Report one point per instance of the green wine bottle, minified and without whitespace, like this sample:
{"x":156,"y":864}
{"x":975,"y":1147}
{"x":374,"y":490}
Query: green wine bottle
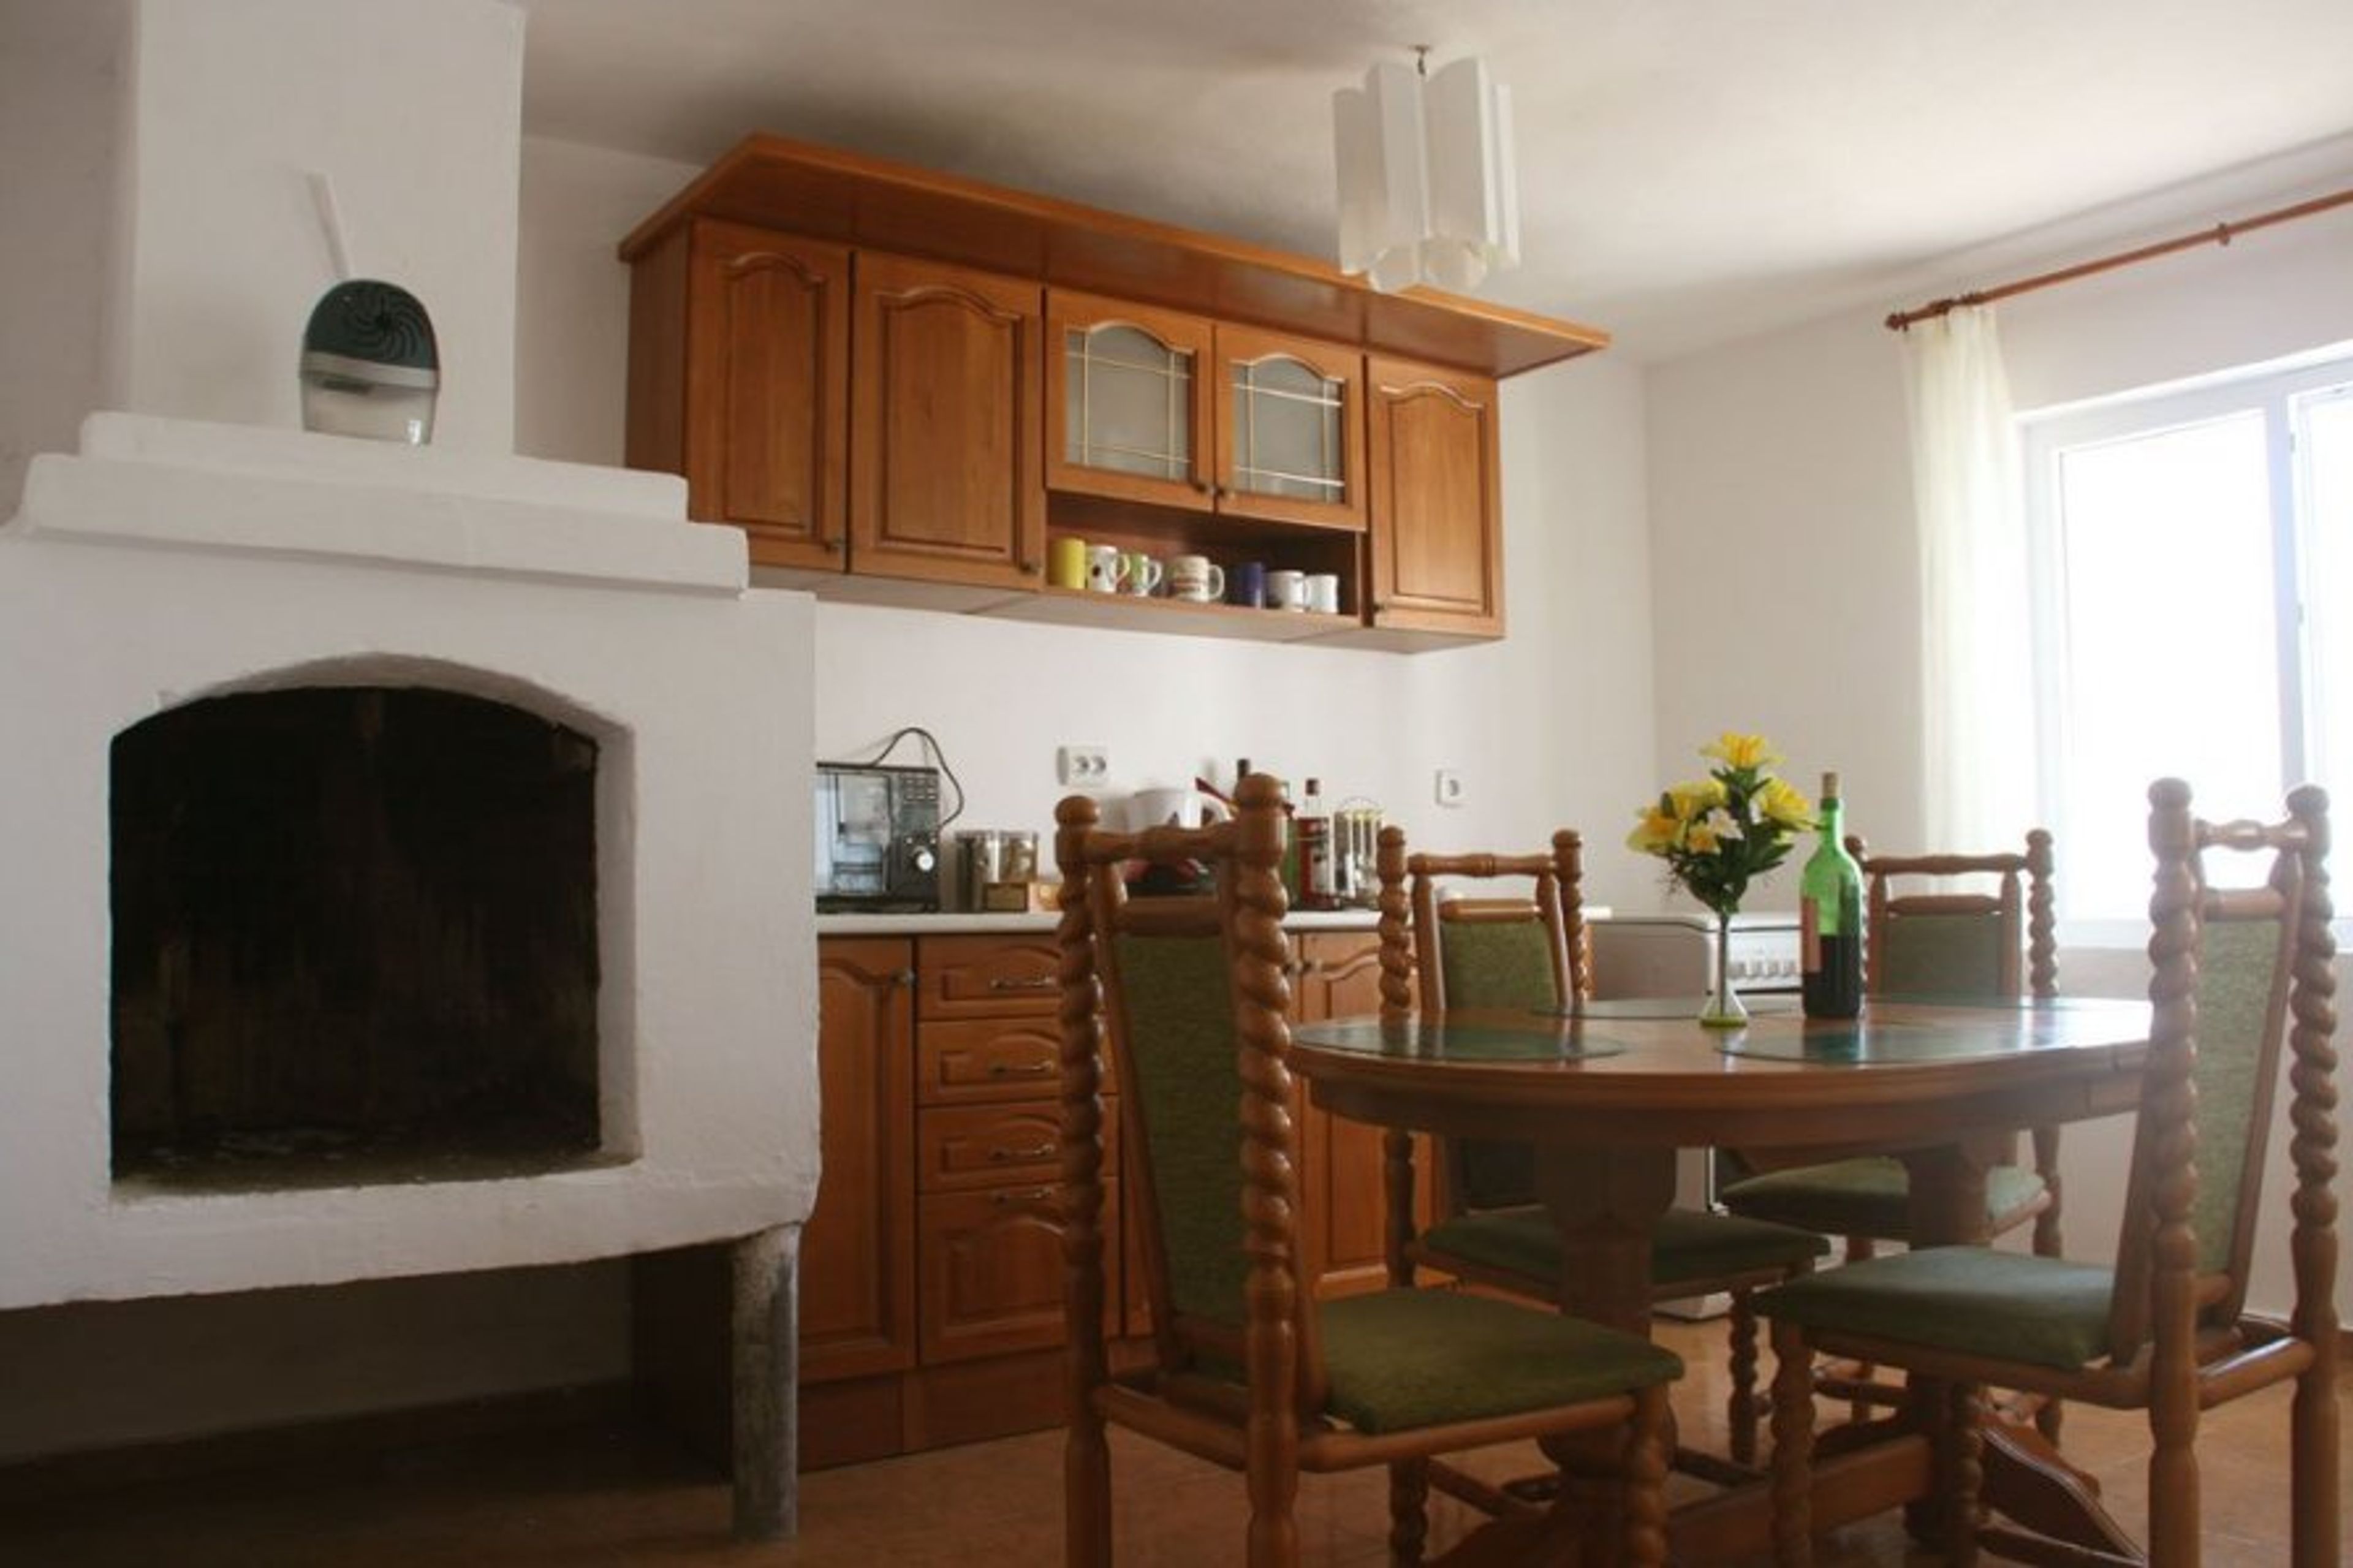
{"x":1829,"y":910}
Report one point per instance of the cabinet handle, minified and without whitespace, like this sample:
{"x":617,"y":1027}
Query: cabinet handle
{"x":1034,"y":1196}
{"x":1020,"y":1070}
{"x":1040,"y":983}
{"x":1032,"y":568}
{"x":905,"y":977}
{"x":1004,"y":1156}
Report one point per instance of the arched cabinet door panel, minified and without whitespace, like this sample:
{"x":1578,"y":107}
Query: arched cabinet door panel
{"x":1437,"y":534}
{"x":947,"y":481}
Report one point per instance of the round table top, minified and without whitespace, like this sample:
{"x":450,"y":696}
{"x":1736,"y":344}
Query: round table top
{"x":1645,"y":1070}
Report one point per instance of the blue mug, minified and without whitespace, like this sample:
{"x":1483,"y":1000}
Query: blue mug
{"x":1246,"y":583}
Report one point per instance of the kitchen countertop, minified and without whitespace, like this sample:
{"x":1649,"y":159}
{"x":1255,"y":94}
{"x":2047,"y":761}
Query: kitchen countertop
{"x":957,"y":923}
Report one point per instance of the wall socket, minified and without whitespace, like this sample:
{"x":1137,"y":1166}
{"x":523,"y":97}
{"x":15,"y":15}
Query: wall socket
{"x":1450,"y":788}
{"x":1082,"y":767}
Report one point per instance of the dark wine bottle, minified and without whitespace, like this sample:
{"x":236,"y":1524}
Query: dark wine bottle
{"x":1829,"y":911}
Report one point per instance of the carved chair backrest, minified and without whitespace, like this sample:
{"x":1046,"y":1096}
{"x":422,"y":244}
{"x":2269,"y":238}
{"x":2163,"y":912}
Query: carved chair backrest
{"x":1495,"y":952}
{"x":1192,"y":995}
{"x":1969,"y":944}
{"x":2230,"y":968}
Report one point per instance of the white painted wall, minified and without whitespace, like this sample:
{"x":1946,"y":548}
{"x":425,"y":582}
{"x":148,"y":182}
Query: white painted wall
{"x":60,"y":90}
{"x":413,"y":110}
{"x":1779,"y":462}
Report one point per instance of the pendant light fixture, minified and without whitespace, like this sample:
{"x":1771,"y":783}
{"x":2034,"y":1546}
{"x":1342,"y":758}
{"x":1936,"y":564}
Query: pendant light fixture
{"x":1427,"y":188}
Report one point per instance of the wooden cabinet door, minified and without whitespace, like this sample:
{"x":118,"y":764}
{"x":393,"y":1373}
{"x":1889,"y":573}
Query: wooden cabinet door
{"x":858,"y":1250}
{"x":946,"y":408}
{"x":993,"y":1275}
{"x":1127,"y":401}
{"x":1343,"y":1207}
{"x":1437,"y":523}
{"x":767,"y":437}
{"x":1291,"y":429}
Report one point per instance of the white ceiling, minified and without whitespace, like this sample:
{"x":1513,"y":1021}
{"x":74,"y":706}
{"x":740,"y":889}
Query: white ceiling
{"x":1690,"y":170}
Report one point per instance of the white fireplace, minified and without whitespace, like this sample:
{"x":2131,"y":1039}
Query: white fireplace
{"x":173,"y":571}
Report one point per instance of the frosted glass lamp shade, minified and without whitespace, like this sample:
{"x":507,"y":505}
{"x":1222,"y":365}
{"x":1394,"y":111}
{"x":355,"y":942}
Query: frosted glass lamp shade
{"x":1427,"y":191}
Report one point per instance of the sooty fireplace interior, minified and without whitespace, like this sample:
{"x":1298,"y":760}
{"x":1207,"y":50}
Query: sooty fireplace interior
{"x":354,"y":939}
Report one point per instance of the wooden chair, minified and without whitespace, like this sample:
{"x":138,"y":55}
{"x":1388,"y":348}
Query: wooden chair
{"x":2165,"y":1328}
{"x":1997,"y":944}
{"x":1248,"y":1369}
{"x":1530,"y":952}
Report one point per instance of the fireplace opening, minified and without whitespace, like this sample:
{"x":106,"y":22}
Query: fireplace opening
{"x":354,"y":940}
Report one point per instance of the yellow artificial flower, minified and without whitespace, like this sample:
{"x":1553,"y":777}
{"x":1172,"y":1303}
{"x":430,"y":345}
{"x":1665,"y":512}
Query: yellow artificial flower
{"x":1700,"y":838}
{"x":1736,"y":751}
{"x":1658,"y":832}
{"x":1783,"y":805}
{"x":1693,"y":801}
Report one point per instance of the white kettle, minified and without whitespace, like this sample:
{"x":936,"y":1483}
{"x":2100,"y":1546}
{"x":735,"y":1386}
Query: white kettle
{"x":1172,"y":808}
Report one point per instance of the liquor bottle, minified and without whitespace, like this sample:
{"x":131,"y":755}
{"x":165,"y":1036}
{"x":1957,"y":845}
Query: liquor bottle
{"x":1830,"y":906}
{"x":1311,"y":826}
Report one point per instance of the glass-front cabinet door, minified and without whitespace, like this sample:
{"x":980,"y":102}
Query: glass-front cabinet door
{"x":1291,"y":434}
{"x":1129,"y":388}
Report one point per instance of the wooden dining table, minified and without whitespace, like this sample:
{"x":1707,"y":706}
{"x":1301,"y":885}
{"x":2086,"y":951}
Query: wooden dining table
{"x":1607,"y":1093}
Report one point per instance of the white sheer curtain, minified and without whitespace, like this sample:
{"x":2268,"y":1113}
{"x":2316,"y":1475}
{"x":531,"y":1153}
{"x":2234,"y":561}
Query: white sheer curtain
{"x":1978,"y":697}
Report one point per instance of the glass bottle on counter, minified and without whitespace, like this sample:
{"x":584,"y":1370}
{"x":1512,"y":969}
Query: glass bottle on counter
{"x":1829,"y":911}
{"x":1311,"y":826}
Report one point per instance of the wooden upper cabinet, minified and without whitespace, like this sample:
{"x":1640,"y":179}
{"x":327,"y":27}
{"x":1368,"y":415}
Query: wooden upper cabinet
{"x":1437,"y":526}
{"x":946,"y":480}
{"x":1127,"y":401}
{"x":739,"y":367}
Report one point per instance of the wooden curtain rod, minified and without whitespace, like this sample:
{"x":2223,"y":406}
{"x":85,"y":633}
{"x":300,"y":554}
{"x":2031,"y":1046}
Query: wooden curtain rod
{"x":2221,"y":233}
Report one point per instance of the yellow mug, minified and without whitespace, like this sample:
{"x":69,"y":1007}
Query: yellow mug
{"x":1066,"y":563}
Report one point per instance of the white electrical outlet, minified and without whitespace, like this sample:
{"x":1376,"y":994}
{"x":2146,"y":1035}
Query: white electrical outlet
{"x":1450,"y":790}
{"x":1082,"y":767}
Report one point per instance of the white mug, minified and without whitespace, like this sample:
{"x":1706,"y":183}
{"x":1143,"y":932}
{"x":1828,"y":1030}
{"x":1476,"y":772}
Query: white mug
{"x":1287,"y":590}
{"x":1103,"y":568}
{"x":1323,"y":593}
{"x":1196,"y":577}
{"x":1139,"y":574}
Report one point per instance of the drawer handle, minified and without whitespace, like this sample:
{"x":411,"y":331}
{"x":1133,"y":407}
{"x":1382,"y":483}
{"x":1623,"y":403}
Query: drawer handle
{"x":1035,"y":1196}
{"x":1038,"y":983}
{"x":1004,"y":1156}
{"x":1020,"y":1070}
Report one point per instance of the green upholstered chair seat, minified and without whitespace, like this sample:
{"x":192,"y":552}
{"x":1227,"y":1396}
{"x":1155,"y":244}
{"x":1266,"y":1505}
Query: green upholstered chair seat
{"x":1863,"y":1196}
{"x":2042,"y":1311}
{"x":1398,"y":1360}
{"x":1687,"y":1245}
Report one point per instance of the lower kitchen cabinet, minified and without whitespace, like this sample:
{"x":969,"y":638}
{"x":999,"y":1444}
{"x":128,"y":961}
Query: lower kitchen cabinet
{"x":1343,"y":1212}
{"x":932,"y":1270}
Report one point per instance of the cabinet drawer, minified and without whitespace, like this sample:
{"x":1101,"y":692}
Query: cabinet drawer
{"x":990,"y":1059}
{"x":992,"y":1270}
{"x":987,"y":977}
{"x":967,"y":1146}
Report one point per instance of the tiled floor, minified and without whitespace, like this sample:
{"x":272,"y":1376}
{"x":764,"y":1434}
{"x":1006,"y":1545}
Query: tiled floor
{"x":595,"y":1496}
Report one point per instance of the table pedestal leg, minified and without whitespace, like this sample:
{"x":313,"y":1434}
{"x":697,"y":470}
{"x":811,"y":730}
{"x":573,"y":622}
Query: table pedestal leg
{"x":1607,"y":1203}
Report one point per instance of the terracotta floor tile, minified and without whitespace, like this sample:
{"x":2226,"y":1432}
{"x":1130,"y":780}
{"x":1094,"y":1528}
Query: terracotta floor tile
{"x":589,"y":1498}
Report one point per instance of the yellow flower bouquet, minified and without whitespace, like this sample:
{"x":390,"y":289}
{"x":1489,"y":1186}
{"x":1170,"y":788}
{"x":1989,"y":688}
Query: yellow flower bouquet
{"x":1720,"y":833}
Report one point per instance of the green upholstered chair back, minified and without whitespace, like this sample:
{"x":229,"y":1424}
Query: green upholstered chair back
{"x":1973,"y":941}
{"x":1177,"y":1071}
{"x":2227,"y":965}
{"x":1500,"y":952}
{"x":1188,"y":994}
{"x":1495,"y":964}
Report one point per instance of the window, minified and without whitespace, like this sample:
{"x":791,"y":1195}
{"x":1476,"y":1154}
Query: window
{"x":2225,"y":505}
